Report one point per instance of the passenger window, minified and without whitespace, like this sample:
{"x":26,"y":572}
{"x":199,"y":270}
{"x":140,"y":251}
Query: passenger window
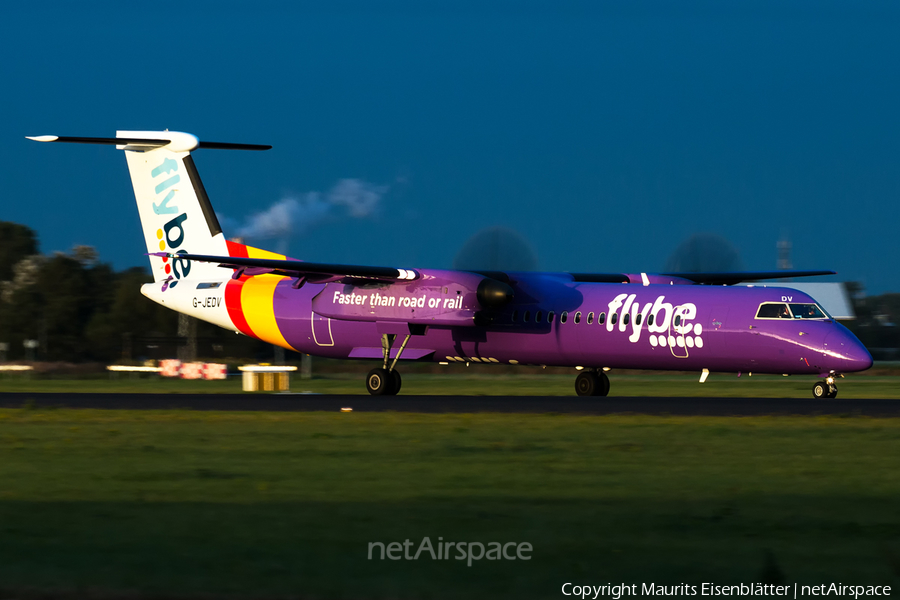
{"x":614,"y":318}
{"x":515,"y":316}
{"x":563,"y":316}
{"x":578,"y":317}
{"x":649,"y":320}
{"x":773,"y":310}
{"x":637,"y":319}
{"x":601,"y":319}
{"x":538,"y":317}
{"x":550,"y":317}
{"x":626,"y":318}
{"x":590,"y":318}
{"x":677,"y":320}
{"x":527,"y":316}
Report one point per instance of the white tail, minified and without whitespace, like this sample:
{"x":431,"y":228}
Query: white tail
{"x":175,"y":211}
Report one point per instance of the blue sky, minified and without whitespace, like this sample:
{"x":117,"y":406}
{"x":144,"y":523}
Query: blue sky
{"x":605,"y":133}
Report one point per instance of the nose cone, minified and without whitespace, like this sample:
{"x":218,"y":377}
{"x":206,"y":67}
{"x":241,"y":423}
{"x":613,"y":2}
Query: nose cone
{"x":860,"y":358}
{"x":851,"y":355}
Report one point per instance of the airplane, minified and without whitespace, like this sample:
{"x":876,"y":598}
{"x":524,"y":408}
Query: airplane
{"x":591,"y":321}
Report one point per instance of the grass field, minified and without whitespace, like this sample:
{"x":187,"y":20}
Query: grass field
{"x":458,"y":380}
{"x":184,"y":503}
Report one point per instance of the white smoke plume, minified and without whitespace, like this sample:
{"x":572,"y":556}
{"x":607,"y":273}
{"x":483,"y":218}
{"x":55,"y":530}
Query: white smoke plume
{"x":294,"y":215}
{"x":358,"y":197}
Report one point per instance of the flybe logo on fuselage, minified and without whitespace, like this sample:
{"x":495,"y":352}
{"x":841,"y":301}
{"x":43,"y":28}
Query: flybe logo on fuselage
{"x":667,"y":324}
{"x":171,"y":235}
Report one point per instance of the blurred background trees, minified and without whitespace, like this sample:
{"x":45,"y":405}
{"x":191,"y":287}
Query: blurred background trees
{"x":79,"y":309}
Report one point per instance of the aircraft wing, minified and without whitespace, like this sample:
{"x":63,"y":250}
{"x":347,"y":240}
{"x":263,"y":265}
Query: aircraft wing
{"x":308,"y":271}
{"x":737,"y":277}
{"x":600,"y":277}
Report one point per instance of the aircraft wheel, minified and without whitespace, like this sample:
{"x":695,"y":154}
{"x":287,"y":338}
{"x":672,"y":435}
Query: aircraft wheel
{"x":820,"y":390}
{"x":588,"y":384}
{"x":604,"y":383}
{"x":379,"y":382}
{"x":396,"y":382}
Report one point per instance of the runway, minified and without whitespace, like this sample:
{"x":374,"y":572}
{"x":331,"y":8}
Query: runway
{"x":462,"y":404}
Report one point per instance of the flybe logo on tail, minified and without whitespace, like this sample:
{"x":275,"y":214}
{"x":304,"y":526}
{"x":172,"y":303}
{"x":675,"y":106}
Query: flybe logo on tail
{"x":168,"y":165}
{"x":171,"y":235}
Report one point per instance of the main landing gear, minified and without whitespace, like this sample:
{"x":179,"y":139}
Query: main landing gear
{"x":386,"y":381}
{"x":825,"y":388}
{"x":592,"y":383}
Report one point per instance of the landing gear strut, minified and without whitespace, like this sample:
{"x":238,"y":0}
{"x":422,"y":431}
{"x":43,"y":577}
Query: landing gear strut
{"x":825,"y":388}
{"x":386,"y":381}
{"x":592,"y":383}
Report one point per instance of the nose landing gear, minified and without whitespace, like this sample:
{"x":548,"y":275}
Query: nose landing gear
{"x":825,"y":388}
{"x":592,"y":383}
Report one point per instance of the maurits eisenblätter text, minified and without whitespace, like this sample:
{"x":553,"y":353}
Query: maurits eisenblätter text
{"x":711,"y":589}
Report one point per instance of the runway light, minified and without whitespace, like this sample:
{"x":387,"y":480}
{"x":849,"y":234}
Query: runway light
{"x":443,"y":363}
{"x":606,"y":368}
{"x":347,"y":409}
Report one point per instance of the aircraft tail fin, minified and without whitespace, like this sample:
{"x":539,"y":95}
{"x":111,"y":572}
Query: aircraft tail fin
{"x":176,"y":214}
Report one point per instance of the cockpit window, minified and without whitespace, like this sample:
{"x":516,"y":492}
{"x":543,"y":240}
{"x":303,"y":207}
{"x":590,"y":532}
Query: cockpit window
{"x":807,"y":311}
{"x":780,"y":310}
{"x":773,"y":310}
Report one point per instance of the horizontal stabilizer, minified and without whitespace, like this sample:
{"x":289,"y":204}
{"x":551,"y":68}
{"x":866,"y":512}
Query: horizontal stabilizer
{"x":735,"y":278}
{"x":297,"y":268}
{"x":147,"y":144}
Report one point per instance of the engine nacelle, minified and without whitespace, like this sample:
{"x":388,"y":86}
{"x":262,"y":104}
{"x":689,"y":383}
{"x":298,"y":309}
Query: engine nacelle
{"x":494,"y":294}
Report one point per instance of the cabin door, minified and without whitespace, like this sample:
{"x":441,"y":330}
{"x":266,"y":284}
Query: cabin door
{"x":321,"y":330}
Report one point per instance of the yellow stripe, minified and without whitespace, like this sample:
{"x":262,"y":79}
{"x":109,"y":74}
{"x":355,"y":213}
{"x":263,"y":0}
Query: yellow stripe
{"x":257,"y":298}
{"x":257,"y":295}
{"x":257,"y":253}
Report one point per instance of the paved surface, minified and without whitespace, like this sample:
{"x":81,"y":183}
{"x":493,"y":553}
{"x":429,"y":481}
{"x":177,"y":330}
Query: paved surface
{"x":463,"y":404}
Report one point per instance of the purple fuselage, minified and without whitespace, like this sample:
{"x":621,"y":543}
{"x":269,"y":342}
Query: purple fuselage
{"x":555,"y":321}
